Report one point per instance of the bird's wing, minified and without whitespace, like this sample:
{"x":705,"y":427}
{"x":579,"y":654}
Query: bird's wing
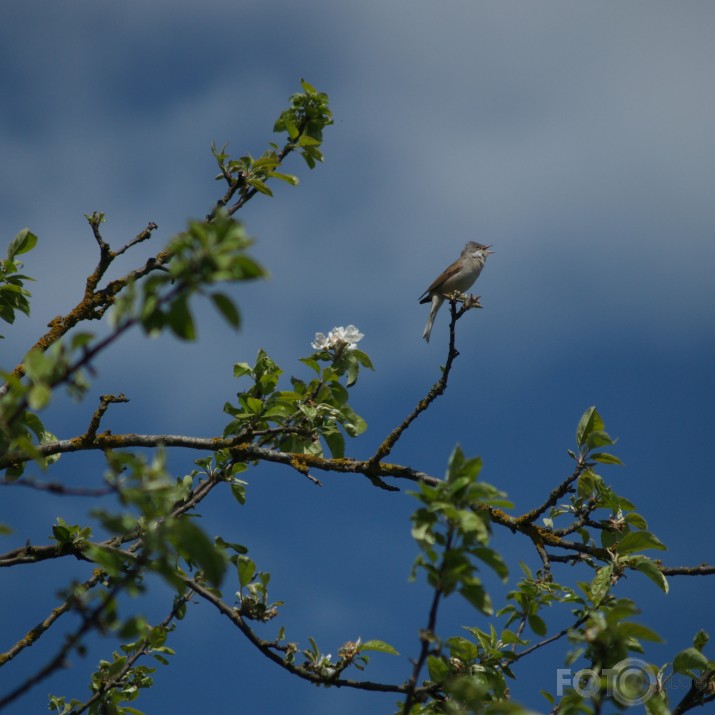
{"x":455,"y":268}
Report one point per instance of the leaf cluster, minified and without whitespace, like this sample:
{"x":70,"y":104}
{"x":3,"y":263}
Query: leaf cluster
{"x":13,"y":294}
{"x":296,"y":420}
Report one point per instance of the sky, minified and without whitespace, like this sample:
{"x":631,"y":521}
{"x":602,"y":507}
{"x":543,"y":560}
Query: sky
{"x":577,"y":138}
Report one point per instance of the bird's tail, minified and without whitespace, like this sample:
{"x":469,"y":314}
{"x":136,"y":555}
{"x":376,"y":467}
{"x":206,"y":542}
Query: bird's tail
{"x":437,"y":301}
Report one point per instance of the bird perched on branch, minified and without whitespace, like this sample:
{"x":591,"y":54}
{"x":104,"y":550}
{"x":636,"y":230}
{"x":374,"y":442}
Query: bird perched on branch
{"x":458,"y":278}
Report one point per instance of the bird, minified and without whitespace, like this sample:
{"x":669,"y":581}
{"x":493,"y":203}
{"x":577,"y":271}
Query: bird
{"x":459,"y":277}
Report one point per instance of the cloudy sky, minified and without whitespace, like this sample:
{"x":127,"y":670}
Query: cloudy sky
{"x":578,"y":138}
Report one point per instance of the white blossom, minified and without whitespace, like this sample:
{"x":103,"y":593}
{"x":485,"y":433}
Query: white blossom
{"x":350,"y":336}
{"x":321,"y":342}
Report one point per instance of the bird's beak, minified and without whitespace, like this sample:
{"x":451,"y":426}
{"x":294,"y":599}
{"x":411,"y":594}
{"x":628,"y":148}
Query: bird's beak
{"x":486,"y":250}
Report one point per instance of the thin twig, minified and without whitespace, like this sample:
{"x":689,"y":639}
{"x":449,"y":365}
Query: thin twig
{"x":437,"y":389}
{"x":142,"y":236}
{"x":104,"y":402}
{"x":555,"y":495}
{"x":88,"y":622}
{"x":141,"y":650}
{"x":60,"y":489}
{"x":427,"y":636}
{"x":546,"y":641}
{"x":33,"y":635}
{"x":268,"y":648}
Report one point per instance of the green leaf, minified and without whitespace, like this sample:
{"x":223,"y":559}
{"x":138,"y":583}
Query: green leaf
{"x":238,"y":489}
{"x":590,"y":421}
{"x":180,"y":319}
{"x":462,"y":648}
{"x":700,"y":640}
{"x":60,"y":533}
{"x":650,"y":569}
{"x":352,"y":423}
{"x":246,"y":570}
{"x":537,"y":624}
{"x":227,"y":308}
{"x":242,"y":368}
{"x":635,"y":520}
{"x":110,"y":561}
{"x":638,"y":541}
{"x":363,"y":359}
{"x":39,"y":396}
{"x":478,"y":597}
{"x":470,"y":523}
{"x":79,"y":340}
{"x":640,"y":632}
{"x":286,"y":124}
{"x":656,"y":705}
{"x":117,"y":665}
{"x":587,"y":483}
{"x":260,"y":186}
{"x":689,"y":661}
{"x":288,"y":178}
{"x":308,"y":141}
{"x":604,"y":458}
{"x":378,"y":646}
{"x":312,"y":363}
{"x":548,"y":696}
{"x":601,"y":583}
{"x":459,"y":466}
{"x":493,"y":559}
{"x":438,"y":670}
{"x":199,"y":549}
{"x":353,"y":368}
{"x":336,"y":443}
{"x":254,"y":405}
{"x":510,"y":638}
{"x":23,"y":242}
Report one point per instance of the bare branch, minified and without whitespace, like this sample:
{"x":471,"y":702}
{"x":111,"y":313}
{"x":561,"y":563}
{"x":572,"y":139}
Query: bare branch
{"x":60,"y":489}
{"x":141,"y":236}
{"x":701,"y":570}
{"x":437,"y":389}
{"x":556,"y":494}
{"x":31,"y":637}
{"x":104,"y":402}
{"x":546,"y":641}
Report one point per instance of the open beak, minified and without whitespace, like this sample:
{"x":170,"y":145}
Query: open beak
{"x":486,"y":250}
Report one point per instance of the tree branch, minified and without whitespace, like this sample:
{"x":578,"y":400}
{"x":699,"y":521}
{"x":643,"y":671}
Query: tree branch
{"x":268,"y":648}
{"x":437,"y":389}
{"x":240,"y":449}
{"x":428,"y":634}
{"x":140,"y":651}
{"x":89,"y":621}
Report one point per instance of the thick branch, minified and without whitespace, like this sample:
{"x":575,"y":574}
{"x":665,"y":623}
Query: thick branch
{"x":240,"y":449}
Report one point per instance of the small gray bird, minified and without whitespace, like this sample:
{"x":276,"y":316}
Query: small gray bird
{"x":458,"y":277}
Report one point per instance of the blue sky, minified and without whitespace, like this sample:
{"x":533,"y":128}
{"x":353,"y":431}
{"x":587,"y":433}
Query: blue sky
{"x":575,"y":137}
